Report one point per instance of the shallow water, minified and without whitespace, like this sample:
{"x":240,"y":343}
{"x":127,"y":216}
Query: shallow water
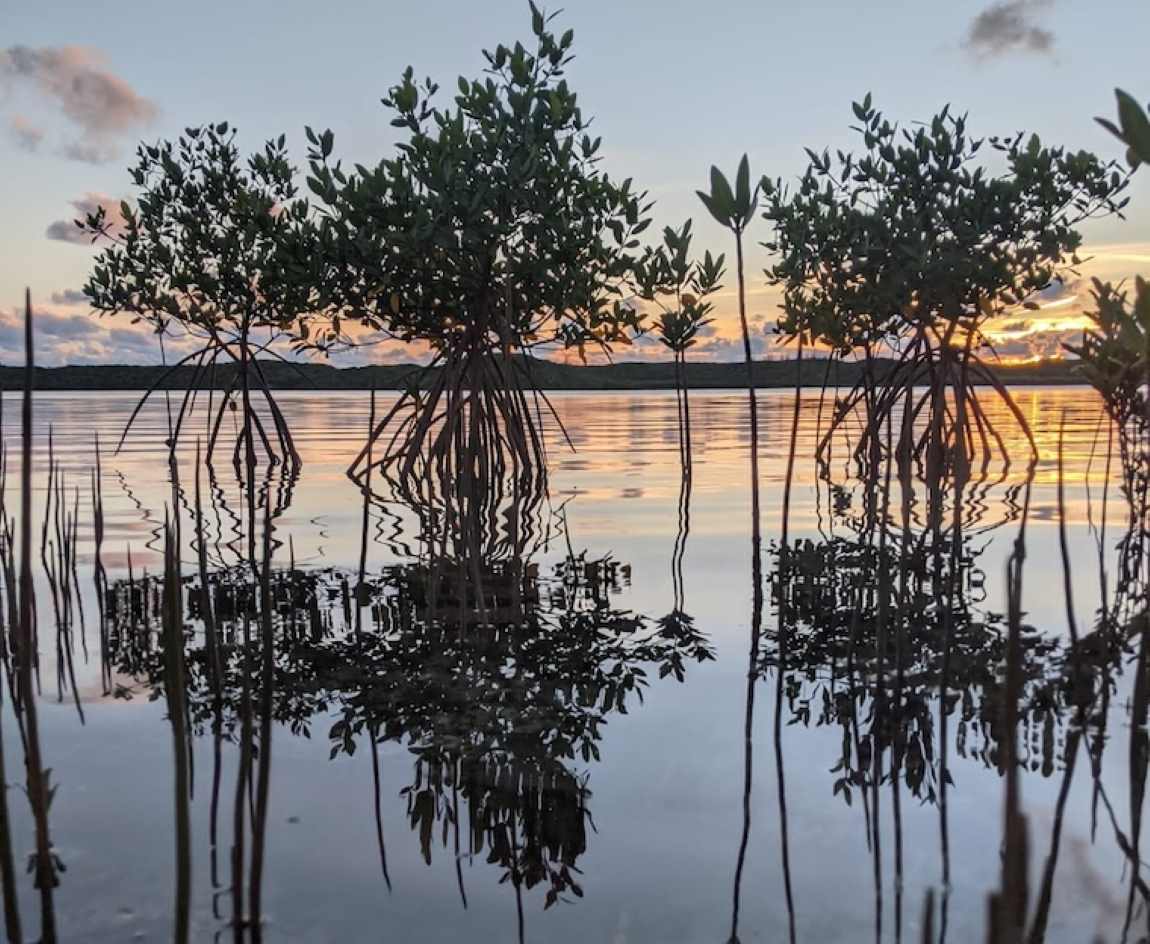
{"x":665,"y":796}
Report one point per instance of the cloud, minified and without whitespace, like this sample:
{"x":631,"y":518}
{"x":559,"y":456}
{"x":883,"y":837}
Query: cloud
{"x":100,"y":105}
{"x":728,"y":349}
{"x":69,"y":296}
{"x":1060,"y":291}
{"x":133,"y":339}
{"x":60,"y":338}
{"x":26,"y":135}
{"x":1040,"y":344}
{"x":88,"y":152}
{"x":1009,"y":26}
{"x":70,"y":338}
{"x":67,"y":326}
{"x":68,"y":232}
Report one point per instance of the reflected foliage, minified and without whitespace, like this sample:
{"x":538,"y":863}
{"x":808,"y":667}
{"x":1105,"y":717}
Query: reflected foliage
{"x":870,"y":624}
{"x":499,"y":689}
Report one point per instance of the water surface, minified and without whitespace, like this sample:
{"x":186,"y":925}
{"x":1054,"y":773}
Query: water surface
{"x":662,"y":803}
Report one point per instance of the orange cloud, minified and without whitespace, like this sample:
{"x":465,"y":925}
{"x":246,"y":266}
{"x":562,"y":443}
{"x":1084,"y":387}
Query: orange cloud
{"x":1023,"y":335}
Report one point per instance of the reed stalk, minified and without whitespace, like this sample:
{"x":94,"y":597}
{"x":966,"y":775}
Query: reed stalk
{"x":12,"y":925}
{"x":38,"y":782}
{"x":756,"y":600}
{"x":176,"y":690}
{"x":784,"y":641}
{"x":267,"y":696}
{"x":1008,"y":905}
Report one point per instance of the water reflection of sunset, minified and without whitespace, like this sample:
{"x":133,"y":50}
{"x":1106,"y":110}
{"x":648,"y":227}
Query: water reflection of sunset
{"x":621,"y":470}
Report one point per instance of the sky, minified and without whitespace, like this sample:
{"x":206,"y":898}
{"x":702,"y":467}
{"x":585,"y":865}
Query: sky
{"x":673,"y":89}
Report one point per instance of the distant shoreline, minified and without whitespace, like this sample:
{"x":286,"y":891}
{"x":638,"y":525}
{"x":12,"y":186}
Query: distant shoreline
{"x":546,"y":375}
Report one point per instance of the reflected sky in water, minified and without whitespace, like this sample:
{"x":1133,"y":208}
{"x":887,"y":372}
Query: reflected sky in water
{"x":665,"y":796}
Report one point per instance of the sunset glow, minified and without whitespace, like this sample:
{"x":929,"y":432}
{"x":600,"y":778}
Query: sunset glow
{"x":70,"y":153}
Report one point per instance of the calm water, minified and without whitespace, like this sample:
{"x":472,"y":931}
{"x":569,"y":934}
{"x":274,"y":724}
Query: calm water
{"x":663,"y":801}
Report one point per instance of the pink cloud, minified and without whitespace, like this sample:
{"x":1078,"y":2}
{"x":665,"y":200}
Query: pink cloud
{"x":100,"y":105}
{"x":70,"y":338}
{"x":67,"y":231}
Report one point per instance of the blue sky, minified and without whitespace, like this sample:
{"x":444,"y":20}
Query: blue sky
{"x":674,"y":88}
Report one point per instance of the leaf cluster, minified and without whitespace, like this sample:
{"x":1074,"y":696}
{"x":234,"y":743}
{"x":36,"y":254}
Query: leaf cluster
{"x":493,"y":225}
{"x":734,"y":207}
{"x":916,"y":234}
{"x":201,"y":249}
{"x":1115,"y":350}
{"x":668,"y":277}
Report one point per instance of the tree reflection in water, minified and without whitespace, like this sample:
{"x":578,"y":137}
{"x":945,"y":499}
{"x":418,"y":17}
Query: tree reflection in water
{"x":500,"y":688}
{"x":835,"y":658}
{"x":498,"y":674}
{"x":890,"y":637}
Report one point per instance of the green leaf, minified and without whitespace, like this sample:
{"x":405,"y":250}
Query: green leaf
{"x":750,"y":212}
{"x":743,"y":186}
{"x":1135,"y":125}
{"x":721,"y":192}
{"x":720,"y":217}
{"x":1110,"y":126}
